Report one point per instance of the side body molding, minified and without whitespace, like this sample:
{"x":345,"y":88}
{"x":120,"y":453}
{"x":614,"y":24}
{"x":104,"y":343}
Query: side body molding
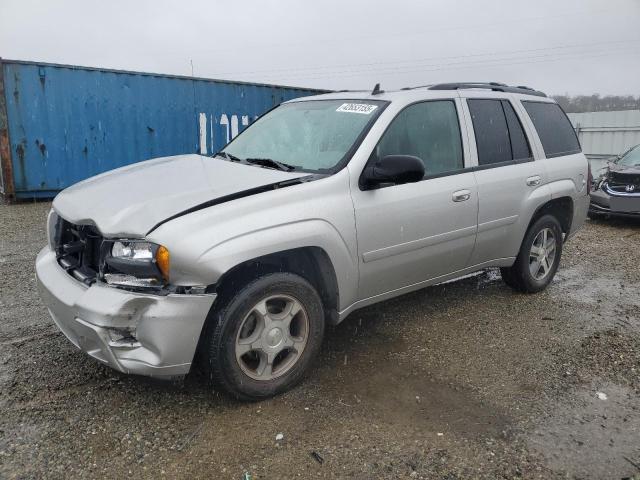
{"x":418,"y":244}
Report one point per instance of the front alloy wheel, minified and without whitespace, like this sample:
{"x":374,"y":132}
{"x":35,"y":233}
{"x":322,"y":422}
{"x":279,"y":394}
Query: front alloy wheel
{"x":272,"y":337}
{"x":261,"y":339}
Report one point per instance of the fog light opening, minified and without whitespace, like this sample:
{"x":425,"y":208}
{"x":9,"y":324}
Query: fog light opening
{"x":123,"y":337}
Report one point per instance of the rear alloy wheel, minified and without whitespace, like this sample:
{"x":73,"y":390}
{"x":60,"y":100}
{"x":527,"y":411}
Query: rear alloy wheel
{"x":261,"y":340}
{"x":542,"y":254}
{"x":539,"y":257}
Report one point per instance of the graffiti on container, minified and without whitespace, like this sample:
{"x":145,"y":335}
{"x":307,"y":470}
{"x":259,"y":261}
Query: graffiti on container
{"x":215,"y":131}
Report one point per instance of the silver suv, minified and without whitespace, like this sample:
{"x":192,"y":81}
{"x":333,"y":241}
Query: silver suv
{"x":322,"y":206}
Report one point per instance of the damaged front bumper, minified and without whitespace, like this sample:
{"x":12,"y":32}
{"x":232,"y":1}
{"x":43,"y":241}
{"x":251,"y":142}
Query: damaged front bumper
{"x":135,"y":333}
{"x":604,"y":202}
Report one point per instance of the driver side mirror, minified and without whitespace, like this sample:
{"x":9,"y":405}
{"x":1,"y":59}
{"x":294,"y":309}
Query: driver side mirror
{"x":393,"y":169}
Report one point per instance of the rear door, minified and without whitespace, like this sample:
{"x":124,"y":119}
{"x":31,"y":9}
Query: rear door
{"x":562,"y":156}
{"x":417,"y":231}
{"x":507,"y":176}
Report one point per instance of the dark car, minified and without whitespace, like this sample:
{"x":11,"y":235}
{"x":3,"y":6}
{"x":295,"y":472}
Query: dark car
{"x":616,"y":190}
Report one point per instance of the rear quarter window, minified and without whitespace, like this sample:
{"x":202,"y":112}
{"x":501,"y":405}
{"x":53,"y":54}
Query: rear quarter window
{"x":554,"y":128}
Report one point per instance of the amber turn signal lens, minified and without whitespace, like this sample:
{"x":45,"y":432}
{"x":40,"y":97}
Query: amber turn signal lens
{"x":162,"y":260}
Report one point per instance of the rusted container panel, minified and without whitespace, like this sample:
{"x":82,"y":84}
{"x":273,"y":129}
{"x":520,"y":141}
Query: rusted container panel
{"x":67,"y":123}
{"x":6,"y":166}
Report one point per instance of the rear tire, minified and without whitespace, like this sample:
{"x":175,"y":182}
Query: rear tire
{"x":538,"y":259}
{"x":261,"y":340}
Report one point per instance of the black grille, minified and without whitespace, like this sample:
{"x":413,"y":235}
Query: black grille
{"x":618,"y":182}
{"x":78,"y":250}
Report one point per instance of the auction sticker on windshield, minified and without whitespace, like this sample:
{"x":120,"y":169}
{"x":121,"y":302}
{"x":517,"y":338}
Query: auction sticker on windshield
{"x":363,"y":108}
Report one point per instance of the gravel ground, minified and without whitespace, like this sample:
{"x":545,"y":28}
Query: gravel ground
{"x":461,"y":380}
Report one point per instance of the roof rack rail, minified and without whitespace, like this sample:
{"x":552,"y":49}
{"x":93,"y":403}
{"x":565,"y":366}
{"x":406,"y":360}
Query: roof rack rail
{"x":495,"y":86}
{"x":416,"y":87}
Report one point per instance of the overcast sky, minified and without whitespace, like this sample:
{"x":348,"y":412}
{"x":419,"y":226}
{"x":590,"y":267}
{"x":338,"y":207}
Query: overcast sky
{"x":559,"y":46}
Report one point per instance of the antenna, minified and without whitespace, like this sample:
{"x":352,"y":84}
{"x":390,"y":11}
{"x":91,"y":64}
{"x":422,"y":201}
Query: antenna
{"x":376,"y":90}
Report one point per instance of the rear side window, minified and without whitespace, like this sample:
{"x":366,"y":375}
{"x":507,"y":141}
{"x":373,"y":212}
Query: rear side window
{"x":519,"y":146}
{"x":428,"y":130}
{"x":554,"y":129}
{"x":499,"y":134}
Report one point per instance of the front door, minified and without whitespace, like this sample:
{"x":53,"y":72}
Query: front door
{"x":418,"y":231}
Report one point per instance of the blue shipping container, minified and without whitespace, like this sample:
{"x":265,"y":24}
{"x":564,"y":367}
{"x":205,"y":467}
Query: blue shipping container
{"x":60,"y":124}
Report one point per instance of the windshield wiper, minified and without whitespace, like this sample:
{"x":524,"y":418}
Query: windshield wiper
{"x":228,"y":156}
{"x":270,"y":163}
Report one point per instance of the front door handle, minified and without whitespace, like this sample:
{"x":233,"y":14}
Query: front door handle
{"x":533,"y":181}
{"x":461,"y":195}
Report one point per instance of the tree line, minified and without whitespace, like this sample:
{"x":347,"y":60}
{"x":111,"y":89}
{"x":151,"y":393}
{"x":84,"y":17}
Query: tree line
{"x":597,"y":103}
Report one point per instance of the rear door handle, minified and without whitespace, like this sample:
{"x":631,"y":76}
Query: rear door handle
{"x":461,"y":195}
{"x":533,"y":181}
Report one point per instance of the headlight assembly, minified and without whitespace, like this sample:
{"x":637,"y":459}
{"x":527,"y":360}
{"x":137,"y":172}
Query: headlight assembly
{"x":132,"y":250}
{"x":137,"y":264}
{"x":598,"y":183}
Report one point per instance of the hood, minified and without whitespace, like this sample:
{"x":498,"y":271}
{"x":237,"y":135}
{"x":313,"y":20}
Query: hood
{"x":623,"y":179}
{"x":132,"y":200}
{"x":623,"y":169}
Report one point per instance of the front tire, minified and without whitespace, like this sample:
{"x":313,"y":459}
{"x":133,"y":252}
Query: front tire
{"x":262,"y":339}
{"x":539,"y":257}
